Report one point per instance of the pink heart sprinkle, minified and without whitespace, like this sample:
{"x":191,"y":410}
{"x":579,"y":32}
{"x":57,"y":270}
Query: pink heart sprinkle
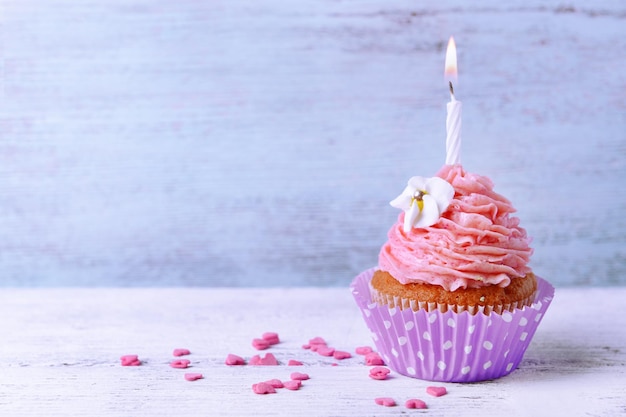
{"x":293,"y":362}
{"x":306,"y":346}
{"x":317,"y":341}
{"x":386,"y":401}
{"x":373,"y":359}
{"x":339,"y":355}
{"x":297,"y":376}
{"x":363,"y":350}
{"x":271,"y":338}
{"x":263,"y":388}
{"x":276,"y":383}
{"x":193,"y":376}
{"x":260,"y":344}
{"x":436,"y":391}
{"x":415,"y":403}
{"x":379,"y":373}
{"x":181,"y":352}
{"x":293,"y":385}
{"x":130,"y":360}
{"x":180,"y":363}
{"x":269,"y":359}
{"x":232,"y":359}
{"x":325,"y":351}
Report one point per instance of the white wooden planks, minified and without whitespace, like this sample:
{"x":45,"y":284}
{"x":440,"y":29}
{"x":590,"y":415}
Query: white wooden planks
{"x":60,"y":356}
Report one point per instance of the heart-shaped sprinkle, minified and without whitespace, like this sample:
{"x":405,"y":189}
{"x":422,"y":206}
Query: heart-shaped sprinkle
{"x":181,"y":352}
{"x":130,"y":360}
{"x":180,"y":363}
{"x":436,"y":391}
{"x":339,"y":355}
{"x":276,"y":383}
{"x":385,"y":401}
{"x":271,"y":338}
{"x":326,"y":351}
{"x":298,"y":376}
{"x":193,"y":376}
{"x":373,"y":359}
{"x":269,"y":359}
{"x":293,"y":384}
{"x":415,"y":403}
{"x":260,"y":344}
{"x":363,"y":350}
{"x":263,"y":388}
{"x":379,"y":373}
{"x":233,"y":359}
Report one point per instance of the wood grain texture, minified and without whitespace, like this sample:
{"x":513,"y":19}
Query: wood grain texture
{"x":60,"y":352}
{"x":155,"y":142}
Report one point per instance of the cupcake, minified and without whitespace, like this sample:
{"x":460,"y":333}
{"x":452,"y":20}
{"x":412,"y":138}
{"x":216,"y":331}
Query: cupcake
{"x":453,"y":298}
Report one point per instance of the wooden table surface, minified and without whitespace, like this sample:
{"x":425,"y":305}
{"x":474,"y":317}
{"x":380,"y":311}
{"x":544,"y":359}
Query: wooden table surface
{"x":60,"y":350}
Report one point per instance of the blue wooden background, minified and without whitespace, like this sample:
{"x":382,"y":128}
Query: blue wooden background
{"x":257,"y":143}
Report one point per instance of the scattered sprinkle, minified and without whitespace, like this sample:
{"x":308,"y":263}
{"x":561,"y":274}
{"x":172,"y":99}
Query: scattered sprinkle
{"x":276,"y":383}
{"x":339,"y":355}
{"x":317,"y":341}
{"x":263,"y":388}
{"x":415,"y":403}
{"x":260,"y":344}
{"x":269,"y":359}
{"x":379,"y":372}
{"x":233,"y":359}
{"x":293,"y":362}
{"x":325,"y":350}
{"x":180,"y":363}
{"x":271,"y":338}
{"x":363,"y":350}
{"x":373,"y":359}
{"x":130,"y":360}
{"x":386,"y":401}
{"x":293,"y":384}
{"x":181,"y":352}
{"x":436,"y":391}
{"x":193,"y":376}
{"x":297,"y":376}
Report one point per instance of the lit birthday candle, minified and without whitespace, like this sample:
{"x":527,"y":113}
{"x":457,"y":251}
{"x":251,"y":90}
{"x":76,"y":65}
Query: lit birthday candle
{"x":453,"y":119}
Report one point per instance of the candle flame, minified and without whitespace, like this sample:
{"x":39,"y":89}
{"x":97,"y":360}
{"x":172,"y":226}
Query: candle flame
{"x":451,"y":72}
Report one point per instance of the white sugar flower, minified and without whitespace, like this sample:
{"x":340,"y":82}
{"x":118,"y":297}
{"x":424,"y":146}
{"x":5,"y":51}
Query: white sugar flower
{"x":423,"y":201}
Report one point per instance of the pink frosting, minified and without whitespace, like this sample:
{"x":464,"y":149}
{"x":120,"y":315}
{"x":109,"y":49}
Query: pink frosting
{"x":475,"y":242}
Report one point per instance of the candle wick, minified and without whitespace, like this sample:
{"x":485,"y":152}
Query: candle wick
{"x":451,"y":88}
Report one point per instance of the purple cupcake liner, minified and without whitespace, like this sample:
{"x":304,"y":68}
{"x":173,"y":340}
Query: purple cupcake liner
{"x":450,"y":347}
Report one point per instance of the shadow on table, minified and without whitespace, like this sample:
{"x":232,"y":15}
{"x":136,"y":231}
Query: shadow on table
{"x":551,"y":357}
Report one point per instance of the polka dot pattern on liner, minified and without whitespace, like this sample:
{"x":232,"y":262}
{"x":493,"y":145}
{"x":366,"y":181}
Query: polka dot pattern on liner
{"x":450,"y":347}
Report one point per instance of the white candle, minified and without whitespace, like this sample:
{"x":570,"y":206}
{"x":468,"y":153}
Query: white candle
{"x":454,"y":107}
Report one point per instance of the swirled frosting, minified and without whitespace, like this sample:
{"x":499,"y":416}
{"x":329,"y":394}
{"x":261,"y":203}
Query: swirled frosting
{"x":475,"y":243}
